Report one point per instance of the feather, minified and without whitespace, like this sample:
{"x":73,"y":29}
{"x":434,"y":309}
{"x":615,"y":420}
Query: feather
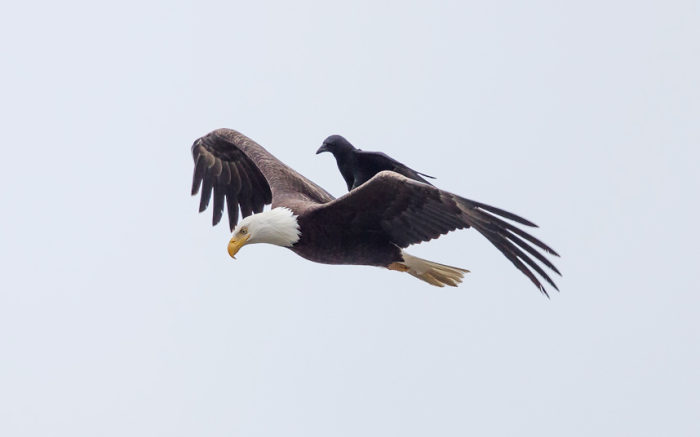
{"x":207,"y":184}
{"x":199,"y":168}
{"x":232,"y":206}
{"x":219,"y":194}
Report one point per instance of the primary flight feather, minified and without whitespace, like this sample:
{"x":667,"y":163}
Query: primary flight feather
{"x":371,"y":225}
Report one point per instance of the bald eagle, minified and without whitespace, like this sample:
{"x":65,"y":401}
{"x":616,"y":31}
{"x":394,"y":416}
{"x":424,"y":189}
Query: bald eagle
{"x":371,"y":225}
{"x":358,"y":166}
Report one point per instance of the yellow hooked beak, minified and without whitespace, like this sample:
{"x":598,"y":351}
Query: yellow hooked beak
{"x":236,"y":243}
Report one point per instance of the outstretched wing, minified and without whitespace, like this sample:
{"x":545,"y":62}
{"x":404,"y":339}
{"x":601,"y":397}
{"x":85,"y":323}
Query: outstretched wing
{"x":230,"y":165}
{"x":410,"y":212}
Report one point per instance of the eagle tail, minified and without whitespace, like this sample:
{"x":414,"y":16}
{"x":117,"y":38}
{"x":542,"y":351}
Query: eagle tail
{"x":435,"y":274}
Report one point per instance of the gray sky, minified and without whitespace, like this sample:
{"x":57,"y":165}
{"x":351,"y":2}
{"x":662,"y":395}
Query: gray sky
{"x":122,"y":314}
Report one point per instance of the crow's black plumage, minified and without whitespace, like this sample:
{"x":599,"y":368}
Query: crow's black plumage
{"x":358,"y":166}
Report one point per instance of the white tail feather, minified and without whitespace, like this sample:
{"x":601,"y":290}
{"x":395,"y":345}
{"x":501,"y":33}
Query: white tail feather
{"x":435,"y":274}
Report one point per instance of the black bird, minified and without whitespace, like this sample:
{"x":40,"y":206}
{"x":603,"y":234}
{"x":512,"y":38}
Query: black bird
{"x":358,"y":166}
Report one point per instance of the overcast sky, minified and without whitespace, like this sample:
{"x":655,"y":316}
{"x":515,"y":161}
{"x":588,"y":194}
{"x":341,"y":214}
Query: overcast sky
{"x":121,"y":314}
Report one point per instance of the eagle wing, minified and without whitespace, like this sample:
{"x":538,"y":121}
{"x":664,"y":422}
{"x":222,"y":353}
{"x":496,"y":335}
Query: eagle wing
{"x":230,"y":165}
{"x":411,"y":212}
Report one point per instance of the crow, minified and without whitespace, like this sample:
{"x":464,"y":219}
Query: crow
{"x":358,"y":166}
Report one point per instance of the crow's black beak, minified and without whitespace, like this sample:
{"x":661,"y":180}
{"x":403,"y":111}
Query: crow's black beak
{"x":322,"y":149}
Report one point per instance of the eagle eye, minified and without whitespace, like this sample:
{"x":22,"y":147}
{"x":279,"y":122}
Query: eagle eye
{"x":244,"y":231}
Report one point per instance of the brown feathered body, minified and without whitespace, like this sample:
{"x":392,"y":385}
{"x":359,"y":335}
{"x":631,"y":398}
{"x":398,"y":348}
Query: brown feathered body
{"x":368,"y":226}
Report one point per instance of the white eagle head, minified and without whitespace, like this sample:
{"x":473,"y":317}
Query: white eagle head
{"x":277,"y":226}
